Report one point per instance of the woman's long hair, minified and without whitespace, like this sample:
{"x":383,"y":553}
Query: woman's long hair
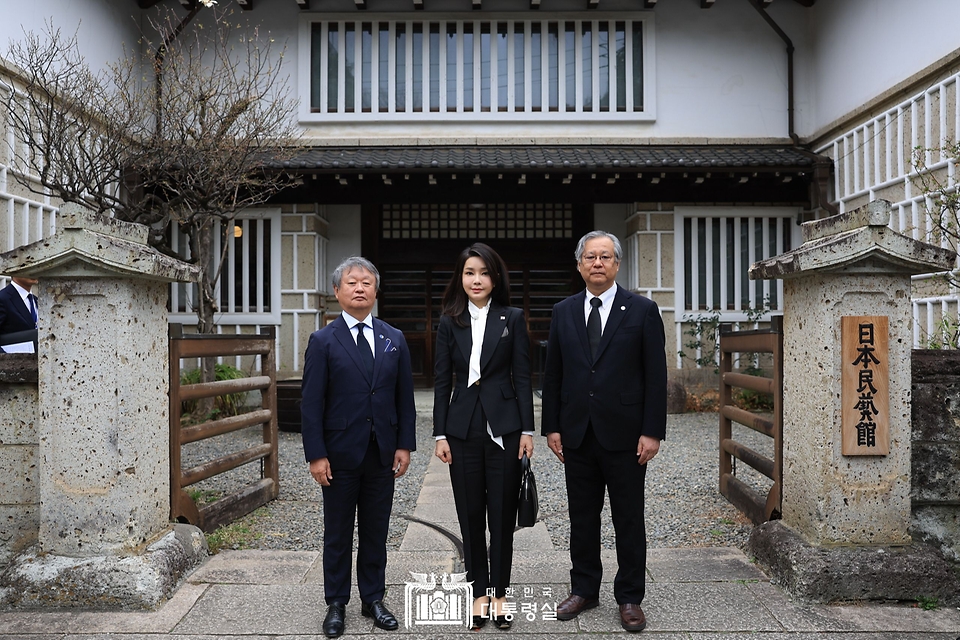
{"x":455,"y":298}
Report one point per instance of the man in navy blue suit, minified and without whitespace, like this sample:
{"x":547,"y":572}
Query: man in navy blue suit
{"x":358,"y":427}
{"x":18,"y":307}
{"x":604,"y":415}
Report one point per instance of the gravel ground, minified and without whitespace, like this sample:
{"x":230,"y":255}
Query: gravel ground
{"x":683,"y":505}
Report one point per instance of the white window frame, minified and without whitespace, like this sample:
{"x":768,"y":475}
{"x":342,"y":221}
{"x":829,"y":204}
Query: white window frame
{"x":271,"y":317}
{"x":309,"y":117}
{"x":789,"y":226}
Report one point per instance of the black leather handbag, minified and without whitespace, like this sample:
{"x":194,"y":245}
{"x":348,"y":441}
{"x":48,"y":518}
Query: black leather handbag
{"x":529,"y":506}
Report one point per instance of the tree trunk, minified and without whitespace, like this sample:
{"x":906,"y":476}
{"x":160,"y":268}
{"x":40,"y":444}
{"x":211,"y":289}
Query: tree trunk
{"x":206,"y":305}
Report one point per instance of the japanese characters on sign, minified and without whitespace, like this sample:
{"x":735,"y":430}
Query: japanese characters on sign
{"x":865,"y":414}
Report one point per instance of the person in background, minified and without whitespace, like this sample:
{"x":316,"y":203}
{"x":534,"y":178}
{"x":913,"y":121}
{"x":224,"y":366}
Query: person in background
{"x":358,"y":428}
{"x":604,"y":415}
{"x":18,"y":311}
{"x":484,"y":423}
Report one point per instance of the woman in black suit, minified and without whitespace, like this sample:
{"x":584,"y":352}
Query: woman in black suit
{"x":485,"y":427}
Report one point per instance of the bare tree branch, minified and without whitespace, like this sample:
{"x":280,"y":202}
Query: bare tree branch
{"x":184,"y":146}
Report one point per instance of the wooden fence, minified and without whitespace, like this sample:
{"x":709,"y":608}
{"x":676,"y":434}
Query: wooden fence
{"x":246,"y":498}
{"x":757,"y":507}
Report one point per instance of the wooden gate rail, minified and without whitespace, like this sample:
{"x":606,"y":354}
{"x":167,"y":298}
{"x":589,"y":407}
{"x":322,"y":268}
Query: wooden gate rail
{"x":757,"y":507}
{"x":251,"y":496}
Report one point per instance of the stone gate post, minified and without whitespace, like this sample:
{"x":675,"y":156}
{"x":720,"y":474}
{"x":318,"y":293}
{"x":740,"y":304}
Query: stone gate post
{"x":102,"y":421}
{"x":848,"y":334}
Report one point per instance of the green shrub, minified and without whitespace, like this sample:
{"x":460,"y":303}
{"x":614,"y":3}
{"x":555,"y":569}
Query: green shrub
{"x":753,"y":401}
{"x":228,"y":405}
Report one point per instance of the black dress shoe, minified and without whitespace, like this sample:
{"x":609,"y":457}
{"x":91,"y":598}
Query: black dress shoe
{"x":333,"y":621}
{"x":382,"y":618}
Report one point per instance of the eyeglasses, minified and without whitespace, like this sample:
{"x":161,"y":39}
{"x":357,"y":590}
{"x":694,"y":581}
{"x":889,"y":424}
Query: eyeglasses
{"x":591,"y":258}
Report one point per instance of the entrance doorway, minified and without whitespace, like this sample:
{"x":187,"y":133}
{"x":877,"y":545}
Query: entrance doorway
{"x":415,"y":248}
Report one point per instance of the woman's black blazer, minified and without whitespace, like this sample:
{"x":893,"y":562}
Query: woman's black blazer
{"x":504,"y":390}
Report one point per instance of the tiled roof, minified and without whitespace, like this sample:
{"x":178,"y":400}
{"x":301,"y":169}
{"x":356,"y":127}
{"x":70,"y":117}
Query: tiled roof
{"x":579,"y":158}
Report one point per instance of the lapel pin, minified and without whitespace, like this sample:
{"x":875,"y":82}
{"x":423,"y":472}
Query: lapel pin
{"x":381,"y":336}
{"x":623,"y":308}
{"x":503,"y":317}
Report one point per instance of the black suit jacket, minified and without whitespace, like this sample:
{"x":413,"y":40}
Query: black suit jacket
{"x":623,"y":393}
{"x":14,"y":315}
{"x":341,"y":405}
{"x":504,"y":391}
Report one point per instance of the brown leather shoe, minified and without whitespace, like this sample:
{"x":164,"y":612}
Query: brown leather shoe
{"x":574,"y":605}
{"x":632,"y":618}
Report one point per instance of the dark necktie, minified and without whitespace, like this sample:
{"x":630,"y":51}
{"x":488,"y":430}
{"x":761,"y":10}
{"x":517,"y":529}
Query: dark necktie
{"x":593,"y":326}
{"x":366,"y":355}
{"x":33,"y":307}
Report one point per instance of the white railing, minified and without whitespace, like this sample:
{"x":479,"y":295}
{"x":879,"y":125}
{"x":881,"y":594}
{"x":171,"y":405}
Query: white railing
{"x":554,"y":67}
{"x":875,"y":159}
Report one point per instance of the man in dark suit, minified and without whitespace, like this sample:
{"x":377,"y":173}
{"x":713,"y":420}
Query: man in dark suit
{"x":358,"y":430}
{"x":18,"y":308}
{"x":604,"y":415}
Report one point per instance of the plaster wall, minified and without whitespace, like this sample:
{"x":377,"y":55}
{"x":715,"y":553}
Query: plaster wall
{"x":721,"y":74}
{"x":861,"y":48}
{"x":106,"y":29}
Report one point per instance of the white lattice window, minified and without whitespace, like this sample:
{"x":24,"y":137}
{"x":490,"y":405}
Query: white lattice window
{"x":714,"y":250}
{"x":249,"y":287}
{"x":502,"y":67}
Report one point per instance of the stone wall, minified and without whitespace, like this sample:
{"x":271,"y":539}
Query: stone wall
{"x":19,"y":484}
{"x":935,"y":492}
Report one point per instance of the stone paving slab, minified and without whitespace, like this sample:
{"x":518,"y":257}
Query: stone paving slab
{"x":256,"y":567}
{"x":892,"y":635}
{"x":399,"y":566}
{"x":701,"y":564}
{"x":713,"y":606}
{"x":420,"y":537}
{"x":798,"y":617}
{"x":22,"y":623}
{"x":436,"y":492}
{"x":532,"y":538}
{"x":442,"y":513}
{"x":264,"y":609}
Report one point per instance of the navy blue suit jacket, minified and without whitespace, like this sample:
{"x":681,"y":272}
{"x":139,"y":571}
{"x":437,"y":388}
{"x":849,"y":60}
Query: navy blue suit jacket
{"x":341,"y":405}
{"x":623,"y":392}
{"x":504,"y":390}
{"x":14,"y":315}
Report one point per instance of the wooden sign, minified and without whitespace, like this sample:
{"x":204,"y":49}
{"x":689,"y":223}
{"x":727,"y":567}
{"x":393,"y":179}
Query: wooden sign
{"x":865,"y":391}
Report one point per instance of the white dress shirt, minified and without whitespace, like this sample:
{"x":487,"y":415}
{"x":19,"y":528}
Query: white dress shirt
{"x":478,"y":325}
{"x":21,"y":347}
{"x":606,"y":303}
{"x":367,"y":332}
